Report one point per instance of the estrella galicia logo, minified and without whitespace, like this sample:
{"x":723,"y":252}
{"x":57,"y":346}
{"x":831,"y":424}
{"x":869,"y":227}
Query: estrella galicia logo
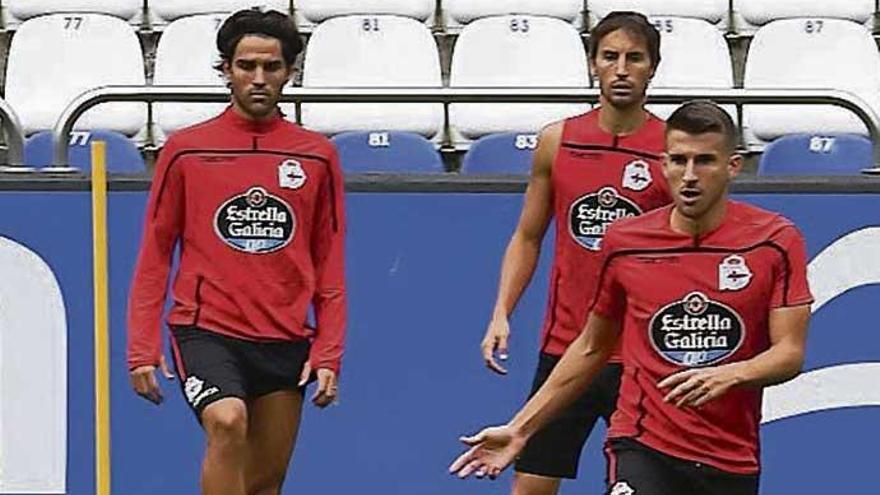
{"x":591,"y":214}
{"x":696,"y":331}
{"x":255,"y":222}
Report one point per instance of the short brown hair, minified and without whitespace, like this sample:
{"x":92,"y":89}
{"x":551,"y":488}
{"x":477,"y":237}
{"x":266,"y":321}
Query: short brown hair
{"x":702,"y":116}
{"x":631,"y":22}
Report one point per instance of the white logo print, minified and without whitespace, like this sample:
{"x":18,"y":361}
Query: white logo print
{"x":192,"y":388}
{"x":637,"y":175}
{"x":622,"y":488}
{"x":733,"y":273}
{"x":291,"y":174}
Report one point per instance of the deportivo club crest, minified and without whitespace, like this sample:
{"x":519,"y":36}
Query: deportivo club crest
{"x":733,"y":273}
{"x":591,"y":214}
{"x":255,"y":222}
{"x":696,"y":331}
{"x":291,"y":174}
{"x":637,"y":175}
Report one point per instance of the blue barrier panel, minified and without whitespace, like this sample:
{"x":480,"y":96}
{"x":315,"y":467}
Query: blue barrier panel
{"x":422,"y":272}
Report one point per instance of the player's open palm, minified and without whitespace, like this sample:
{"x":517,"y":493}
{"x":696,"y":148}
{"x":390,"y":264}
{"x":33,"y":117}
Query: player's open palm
{"x":494,"y":342}
{"x":492,"y":450}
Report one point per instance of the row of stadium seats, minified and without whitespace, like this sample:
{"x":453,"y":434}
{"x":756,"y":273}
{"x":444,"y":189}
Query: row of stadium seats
{"x":756,"y":12}
{"x":53,"y":58}
{"x":508,"y":153}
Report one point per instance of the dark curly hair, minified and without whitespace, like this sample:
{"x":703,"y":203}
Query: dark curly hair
{"x":270,"y":24}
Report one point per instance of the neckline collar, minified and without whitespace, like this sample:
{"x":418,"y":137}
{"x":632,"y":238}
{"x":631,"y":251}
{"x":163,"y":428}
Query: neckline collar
{"x":700,"y":239}
{"x":231,"y":116}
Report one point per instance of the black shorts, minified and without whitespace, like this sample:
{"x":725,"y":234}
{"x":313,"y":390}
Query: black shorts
{"x":634,"y":468}
{"x":555,"y":450}
{"x":212,"y":366}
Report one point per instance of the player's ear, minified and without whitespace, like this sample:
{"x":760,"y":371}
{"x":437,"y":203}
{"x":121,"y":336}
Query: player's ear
{"x":665,"y":158}
{"x":225,"y":72}
{"x":291,"y":73}
{"x":734,"y":165}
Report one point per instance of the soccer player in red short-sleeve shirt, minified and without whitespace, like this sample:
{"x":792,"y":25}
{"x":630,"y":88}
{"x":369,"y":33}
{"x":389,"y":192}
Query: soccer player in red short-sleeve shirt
{"x":588,"y":171}
{"x":710,"y":299}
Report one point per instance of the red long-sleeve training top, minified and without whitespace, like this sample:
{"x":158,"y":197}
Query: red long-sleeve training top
{"x":257,"y":209}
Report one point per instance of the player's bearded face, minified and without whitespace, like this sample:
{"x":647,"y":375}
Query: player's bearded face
{"x":257,"y":74}
{"x":698,"y":168}
{"x":623,"y":67}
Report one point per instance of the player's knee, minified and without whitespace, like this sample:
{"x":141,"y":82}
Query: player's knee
{"x":266,"y":484}
{"x":529,"y":484}
{"x":226,"y":421}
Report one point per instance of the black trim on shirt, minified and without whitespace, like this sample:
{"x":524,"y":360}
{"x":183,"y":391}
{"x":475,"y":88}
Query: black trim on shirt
{"x":198,"y":299}
{"x":698,"y":249}
{"x":554,"y":301}
{"x":640,"y":407}
{"x":614,"y":148}
{"x":331,"y":176}
{"x":208,"y":151}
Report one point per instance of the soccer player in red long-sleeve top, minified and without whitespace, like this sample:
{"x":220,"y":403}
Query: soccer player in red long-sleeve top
{"x":710,"y":299}
{"x":255,"y":204}
{"x":588,"y":171}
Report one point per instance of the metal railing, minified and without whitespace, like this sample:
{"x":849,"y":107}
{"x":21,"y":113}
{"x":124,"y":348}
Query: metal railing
{"x":14,"y":135}
{"x":736,"y":97}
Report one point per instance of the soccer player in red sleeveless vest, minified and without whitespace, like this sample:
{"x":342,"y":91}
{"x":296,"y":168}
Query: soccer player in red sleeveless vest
{"x":711,"y":301}
{"x":256,"y":205}
{"x":588,"y":171}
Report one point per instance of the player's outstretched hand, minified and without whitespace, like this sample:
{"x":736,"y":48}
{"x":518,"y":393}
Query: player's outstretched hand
{"x":697,"y":386}
{"x":144,"y":383}
{"x":496,"y":341}
{"x":491,"y":451}
{"x":327,"y":391}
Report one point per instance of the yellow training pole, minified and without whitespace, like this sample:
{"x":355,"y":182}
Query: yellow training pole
{"x":102,"y":337}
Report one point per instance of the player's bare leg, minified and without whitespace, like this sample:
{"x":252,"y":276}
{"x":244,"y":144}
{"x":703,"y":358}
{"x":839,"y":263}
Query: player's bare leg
{"x":273,"y":425}
{"x":225,"y":423}
{"x":532,"y":484}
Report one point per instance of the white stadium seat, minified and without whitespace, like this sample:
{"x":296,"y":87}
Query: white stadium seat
{"x":516,"y":52}
{"x":33,"y":374}
{"x":186,"y":55}
{"x":464,"y":11}
{"x":25,"y":9}
{"x":710,"y":10}
{"x":811,"y":53}
{"x":693,"y":54}
{"x":169,"y":10}
{"x":54,"y":58}
{"x":316,"y":11}
{"x":758,"y":12}
{"x":365,"y":51}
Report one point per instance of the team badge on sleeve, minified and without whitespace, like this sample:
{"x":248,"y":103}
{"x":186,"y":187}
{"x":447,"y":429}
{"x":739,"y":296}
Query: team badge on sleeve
{"x":733,"y":273}
{"x":291,"y":174}
{"x":637,"y":175}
